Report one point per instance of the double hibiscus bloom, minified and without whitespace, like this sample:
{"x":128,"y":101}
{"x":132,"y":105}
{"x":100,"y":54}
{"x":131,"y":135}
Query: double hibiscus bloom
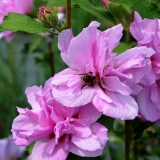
{"x":98,"y":81}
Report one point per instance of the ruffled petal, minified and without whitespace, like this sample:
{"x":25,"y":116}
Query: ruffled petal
{"x":89,"y":109}
{"x":30,"y":93}
{"x":148,"y":108}
{"x":122,"y":107}
{"x":39,"y":153}
{"x":81,"y":47}
{"x":90,"y":143}
{"x":113,"y":84}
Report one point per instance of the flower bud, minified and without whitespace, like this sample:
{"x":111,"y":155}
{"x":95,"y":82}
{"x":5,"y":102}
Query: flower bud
{"x":47,"y":15}
{"x":105,"y":3}
{"x":61,"y":9}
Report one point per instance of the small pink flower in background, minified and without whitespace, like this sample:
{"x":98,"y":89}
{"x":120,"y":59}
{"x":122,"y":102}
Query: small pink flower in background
{"x":61,"y":9}
{"x":17,"y":6}
{"x":57,"y":129}
{"x":97,"y":75}
{"x":147,"y":33}
{"x":9,"y":150}
{"x":105,"y":3}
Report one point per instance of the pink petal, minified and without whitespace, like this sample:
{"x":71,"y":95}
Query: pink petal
{"x":101,"y":133}
{"x":64,"y":39}
{"x":89,"y":108}
{"x":113,"y":84}
{"x":148,"y":108}
{"x":82,"y":131}
{"x":90,"y":143}
{"x":39,"y":153}
{"x":122,"y":107}
{"x":23,"y":7}
{"x":30,"y":93}
{"x":132,"y":58}
{"x":77,"y":51}
{"x":113,"y":35}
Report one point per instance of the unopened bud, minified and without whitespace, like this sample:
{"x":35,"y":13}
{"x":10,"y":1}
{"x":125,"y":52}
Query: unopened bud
{"x":61,"y":9}
{"x":105,"y":3}
{"x":47,"y":15}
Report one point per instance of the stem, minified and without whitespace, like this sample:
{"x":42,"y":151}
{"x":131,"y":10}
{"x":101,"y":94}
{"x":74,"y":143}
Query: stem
{"x":127,"y":140}
{"x":135,"y":154}
{"x":51,"y":58}
{"x":124,"y":23}
{"x":57,"y":28}
{"x":129,"y":36}
{"x":68,"y":13}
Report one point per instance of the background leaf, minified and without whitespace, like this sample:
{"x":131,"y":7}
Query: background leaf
{"x":75,"y":157}
{"x":18,"y":22}
{"x":146,"y":8}
{"x":1,"y":28}
{"x":85,"y":5}
{"x":106,"y":121}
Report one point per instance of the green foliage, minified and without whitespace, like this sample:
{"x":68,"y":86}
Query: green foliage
{"x":146,"y":8}
{"x":75,"y":157}
{"x":17,"y":22}
{"x":85,"y":5}
{"x":30,"y":148}
{"x":107,"y":122}
{"x":1,"y":28}
{"x":123,"y":46}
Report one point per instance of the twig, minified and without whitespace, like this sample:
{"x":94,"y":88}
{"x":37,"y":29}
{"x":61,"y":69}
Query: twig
{"x":127,"y":140}
{"x":51,"y":58}
{"x":68,"y":14}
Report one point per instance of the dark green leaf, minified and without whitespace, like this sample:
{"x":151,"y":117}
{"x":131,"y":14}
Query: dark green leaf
{"x":122,"y":47}
{"x":18,"y":22}
{"x":30,"y":147}
{"x":35,"y":42}
{"x":107,"y":122}
{"x":56,"y":2}
{"x":96,"y":11}
{"x":85,"y":5}
{"x":146,"y":8}
{"x":137,"y":127}
{"x":1,"y":28}
{"x":75,"y":157}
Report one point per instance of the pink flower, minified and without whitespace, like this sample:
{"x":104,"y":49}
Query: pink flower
{"x":147,"y":33}
{"x":57,"y":129}
{"x":105,"y":3}
{"x":61,"y":9}
{"x":17,"y":6}
{"x":9,"y":150}
{"x":97,"y":75}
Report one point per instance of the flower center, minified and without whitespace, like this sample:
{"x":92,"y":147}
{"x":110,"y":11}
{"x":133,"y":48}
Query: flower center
{"x":88,"y":79}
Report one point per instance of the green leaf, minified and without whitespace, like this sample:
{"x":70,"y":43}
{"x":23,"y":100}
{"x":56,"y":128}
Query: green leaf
{"x":122,"y":47}
{"x":85,"y":5}
{"x":75,"y":157}
{"x":56,"y":2}
{"x":18,"y":22}
{"x":30,"y":148}
{"x":1,"y":28}
{"x":106,"y":121}
{"x":98,"y":12}
{"x":35,"y":42}
{"x":146,"y":8}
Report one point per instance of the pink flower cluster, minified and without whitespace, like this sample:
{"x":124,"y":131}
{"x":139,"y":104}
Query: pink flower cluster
{"x":98,"y":81}
{"x":147,"y":33}
{"x":17,"y":6}
{"x":58,"y":129}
